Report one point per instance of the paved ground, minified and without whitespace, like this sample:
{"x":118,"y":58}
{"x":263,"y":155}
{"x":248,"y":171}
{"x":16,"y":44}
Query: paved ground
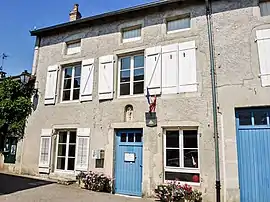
{"x":14,"y":188}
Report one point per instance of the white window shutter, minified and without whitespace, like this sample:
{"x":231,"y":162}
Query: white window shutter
{"x":87,"y":80}
{"x":82,"y":149}
{"x":45,"y":151}
{"x":263,"y":41}
{"x":170,"y":69}
{"x":51,"y":83}
{"x":153,"y":70}
{"x":187,"y":67}
{"x":105,"y":81}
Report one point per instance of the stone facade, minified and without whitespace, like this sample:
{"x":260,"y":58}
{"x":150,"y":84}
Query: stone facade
{"x":237,"y":70}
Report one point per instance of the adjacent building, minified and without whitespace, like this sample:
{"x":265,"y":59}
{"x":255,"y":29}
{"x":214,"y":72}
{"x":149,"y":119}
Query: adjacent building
{"x":93,"y":74}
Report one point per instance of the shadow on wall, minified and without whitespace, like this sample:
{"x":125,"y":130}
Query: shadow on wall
{"x":10,"y":184}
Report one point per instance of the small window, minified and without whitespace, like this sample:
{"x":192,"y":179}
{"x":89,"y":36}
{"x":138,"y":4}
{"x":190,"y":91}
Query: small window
{"x":131,"y":34}
{"x":178,"y":24}
{"x":73,"y":47}
{"x":265,"y":8}
{"x":131,"y":75}
{"x":71,"y":83}
{"x":182,"y":156}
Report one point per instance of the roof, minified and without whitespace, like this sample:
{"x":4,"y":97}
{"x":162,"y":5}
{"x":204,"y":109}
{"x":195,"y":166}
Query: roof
{"x":86,"y":21}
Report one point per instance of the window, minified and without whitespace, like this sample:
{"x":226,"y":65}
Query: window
{"x":73,"y":47}
{"x":65,"y":152}
{"x":131,"y":34}
{"x":182,"y":156}
{"x":71,"y":83}
{"x":253,"y":117}
{"x":131,"y":75}
{"x":178,"y":24}
{"x":265,"y":8}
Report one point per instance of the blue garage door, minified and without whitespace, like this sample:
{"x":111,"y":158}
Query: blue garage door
{"x":253,"y":147}
{"x":128,"y":164}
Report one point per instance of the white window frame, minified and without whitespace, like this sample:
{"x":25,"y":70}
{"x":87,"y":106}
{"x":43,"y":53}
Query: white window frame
{"x":72,"y":83}
{"x":177,"y":18}
{"x":131,"y":75}
{"x":181,"y":169}
{"x":130,"y":29}
{"x":71,"y":43}
{"x":67,"y":151}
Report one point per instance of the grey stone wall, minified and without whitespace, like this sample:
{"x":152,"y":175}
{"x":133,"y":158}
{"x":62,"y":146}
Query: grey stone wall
{"x":237,"y":72}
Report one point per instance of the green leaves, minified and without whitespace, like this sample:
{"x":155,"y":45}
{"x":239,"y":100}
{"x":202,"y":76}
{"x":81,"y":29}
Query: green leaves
{"x":15,"y":106}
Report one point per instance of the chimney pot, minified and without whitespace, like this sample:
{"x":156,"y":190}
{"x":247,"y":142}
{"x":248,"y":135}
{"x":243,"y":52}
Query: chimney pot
{"x":75,"y":14}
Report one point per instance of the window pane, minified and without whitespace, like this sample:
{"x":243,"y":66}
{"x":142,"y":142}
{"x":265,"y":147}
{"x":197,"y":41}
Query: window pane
{"x":66,"y":95}
{"x":138,"y":137}
{"x":130,"y":137}
{"x":244,"y":118}
{"x":76,"y":94}
{"x":260,"y":118}
{"x":123,"y":137}
{"x":127,"y":34}
{"x":191,"y":158}
{"x":77,"y":83}
{"x":138,"y":74}
{"x":172,"y":139}
{"x":178,"y":24}
{"x":125,"y":89}
{"x":172,"y":157}
{"x":68,"y":72}
{"x":190,"y":139}
{"x":185,"y":177}
{"x":138,"y":61}
{"x":265,"y":8}
{"x":72,"y":137}
{"x":125,"y":76}
{"x":125,"y":63}
{"x":62,"y":137}
{"x":61,"y":150}
{"x":71,"y":151}
{"x":78,"y":71}
{"x":61,"y":163}
{"x":71,"y":163}
{"x":138,"y":87}
{"x":67,"y":83}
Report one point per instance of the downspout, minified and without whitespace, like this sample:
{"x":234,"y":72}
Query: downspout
{"x":208,"y":5}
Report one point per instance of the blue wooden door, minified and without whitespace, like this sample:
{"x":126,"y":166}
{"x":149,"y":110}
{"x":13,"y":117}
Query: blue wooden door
{"x":253,"y":147}
{"x":128,"y":164}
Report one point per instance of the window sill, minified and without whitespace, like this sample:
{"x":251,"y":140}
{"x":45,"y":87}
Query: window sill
{"x":131,"y":39}
{"x":79,"y":54}
{"x":130,"y":96}
{"x":179,"y":30}
{"x":69,"y":102}
{"x":193,"y":184}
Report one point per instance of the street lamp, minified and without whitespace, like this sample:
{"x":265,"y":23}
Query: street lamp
{"x":25,"y":77}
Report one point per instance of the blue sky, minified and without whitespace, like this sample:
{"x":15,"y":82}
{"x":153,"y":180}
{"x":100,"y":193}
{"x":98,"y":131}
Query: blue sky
{"x":18,"y":17}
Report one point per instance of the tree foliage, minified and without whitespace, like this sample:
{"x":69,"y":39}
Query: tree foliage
{"x":15,"y":106}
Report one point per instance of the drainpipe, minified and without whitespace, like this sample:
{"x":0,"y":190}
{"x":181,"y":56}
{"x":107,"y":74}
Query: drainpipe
{"x":208,"y":5}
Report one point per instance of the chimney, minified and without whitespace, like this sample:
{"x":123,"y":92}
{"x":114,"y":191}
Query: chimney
{"x":75,"y":14}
